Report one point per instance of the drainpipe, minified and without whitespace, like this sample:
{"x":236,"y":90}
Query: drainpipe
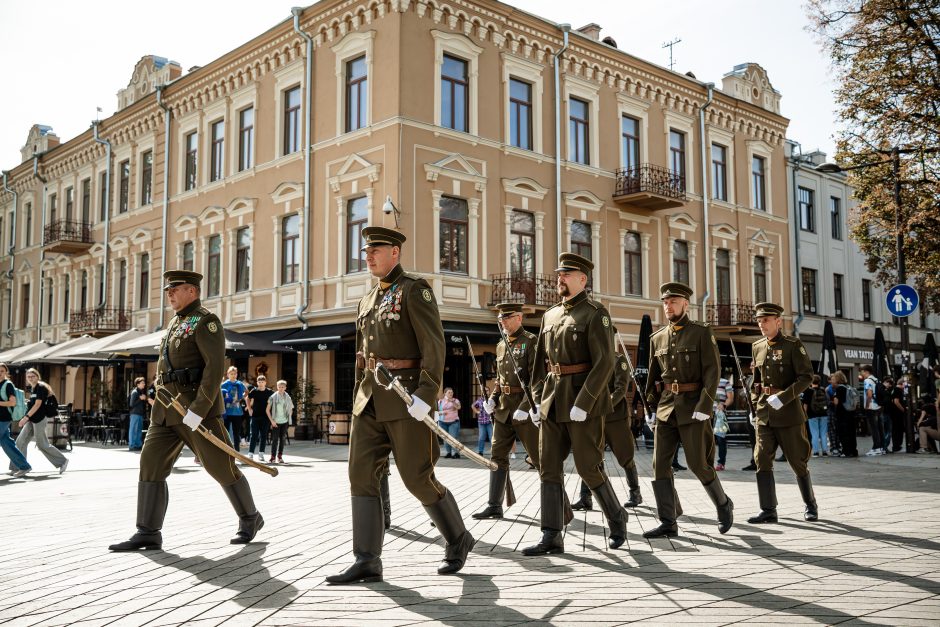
{"x":308,"y":149}
{"x":8,"y":189}
{"x":42,"y":250}
{"x":167,"y":116}
{"x":107,"y":212}
{"x":796,"y":240}
{"x":701,"y":129}
{"x":565,"y":28}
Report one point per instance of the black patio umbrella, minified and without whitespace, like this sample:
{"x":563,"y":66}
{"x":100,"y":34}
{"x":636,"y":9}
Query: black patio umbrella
{"x":880,"y":358}
{"x":931,"y":359}
{"x":643,"y":354}
{"x":828,"y":363}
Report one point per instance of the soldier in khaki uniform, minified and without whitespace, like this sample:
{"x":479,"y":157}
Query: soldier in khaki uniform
{"x":782,"y":371}
{"x":398,"y":324}
{"x":191,"y":365}
{"x":574,"y":360}
{"x":619,"y":437}
{"x":683,"y":380}
{"x":508,"y":404}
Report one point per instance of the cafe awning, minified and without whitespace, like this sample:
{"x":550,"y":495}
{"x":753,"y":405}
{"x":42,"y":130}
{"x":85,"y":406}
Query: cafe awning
{"x":321,"y":338}
{"x":57,"y":354}
{"x":101,"y":348}
{"x":12,"y":355}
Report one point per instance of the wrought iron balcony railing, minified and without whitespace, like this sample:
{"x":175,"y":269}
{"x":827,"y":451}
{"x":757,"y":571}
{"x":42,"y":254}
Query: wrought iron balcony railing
{"x":730,"y":314}
{"x":67,"y":235}
{"x":538,"y":289}
{"x":99,"y":321}
{"x":650,"y":186}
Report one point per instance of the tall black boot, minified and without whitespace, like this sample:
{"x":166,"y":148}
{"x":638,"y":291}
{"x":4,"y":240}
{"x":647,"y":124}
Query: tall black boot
{"x":494,"y":506}
{"x":665,"y":494}
{"x":615,"y":514}
{"x":806,"y":490}
{"x":585,"y":502}
{"x":446,"y":517}
{"x":633,"y":480}
{"x":152,"y":500}
{"x":723,"y":504}
{"x":767,"y":496}
{"x":367,"y":536}
{"x":386,"y":502}
{"x":250,"y":521}
{"x":553,"y":515}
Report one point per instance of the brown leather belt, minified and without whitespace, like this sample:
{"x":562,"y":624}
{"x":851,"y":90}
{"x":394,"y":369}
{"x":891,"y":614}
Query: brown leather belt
{"x":770,"y":390}
{"x":563,"y":369}
{"x":392,"y":364}
{"x":676,"y":387}
{"x":508,"y":389}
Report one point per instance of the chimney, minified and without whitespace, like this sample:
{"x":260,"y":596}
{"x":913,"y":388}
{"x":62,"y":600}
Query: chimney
{"x":591,"y":30}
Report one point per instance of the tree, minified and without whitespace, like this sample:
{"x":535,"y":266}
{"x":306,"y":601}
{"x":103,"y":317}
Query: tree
{"x":886,"y":58}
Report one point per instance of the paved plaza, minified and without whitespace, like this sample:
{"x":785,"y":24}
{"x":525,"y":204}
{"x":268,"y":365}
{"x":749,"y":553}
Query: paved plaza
{"x":872,"y":558}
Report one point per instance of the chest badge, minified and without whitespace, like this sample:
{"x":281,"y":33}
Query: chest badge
{"x":213,"y":327}
{"x":606,"y":321}
{"x":426,"y":294}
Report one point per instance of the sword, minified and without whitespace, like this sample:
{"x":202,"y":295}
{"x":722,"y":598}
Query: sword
{"x":515,"y":366}
{"x":395,"y":385}
{"x":165,"y":398}
{"x":747,"y":392}
{"x":646,"y":408}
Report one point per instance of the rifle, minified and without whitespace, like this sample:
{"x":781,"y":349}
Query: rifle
{"x":747,"y":392}
{"x":518,"y":370}
{"x":646,"y":408}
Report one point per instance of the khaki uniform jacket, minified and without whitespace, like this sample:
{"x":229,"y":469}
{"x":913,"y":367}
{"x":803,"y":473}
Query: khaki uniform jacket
{"x":573,"y":332}
{"x":687,"y":355}
{"x":194,"y":339}
{"x":619,"y":384}
{"x":522,"y":346}
{"x":782,"y":364}
{"x":400,"y":322}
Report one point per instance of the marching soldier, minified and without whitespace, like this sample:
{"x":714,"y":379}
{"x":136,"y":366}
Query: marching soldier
{"x":508,"y":405}
{"x":619,"y":437}
{"x":398,"y":324}
{"x":191,"y":365}
{"x":574,"y":360}
{"x":682,"y":383}
{"x":782,"y":371}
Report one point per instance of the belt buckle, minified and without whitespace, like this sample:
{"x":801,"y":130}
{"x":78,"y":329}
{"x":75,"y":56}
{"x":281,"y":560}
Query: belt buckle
{"x":674,"y":387}
{"x":370,"y":364}
{"x":506,"y":389}
{"x":556,"y":370}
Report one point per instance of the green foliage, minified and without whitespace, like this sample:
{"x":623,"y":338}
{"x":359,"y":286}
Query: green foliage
{"x":303,"y":393}
{"x":105,"y":398}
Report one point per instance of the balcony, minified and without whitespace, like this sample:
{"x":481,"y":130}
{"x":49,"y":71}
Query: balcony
{"x":99,"y":322}
{"x":650,"y":187}
{"x":730,"y":315}
{"x":536,"y":290}
{"x":67,"y":236}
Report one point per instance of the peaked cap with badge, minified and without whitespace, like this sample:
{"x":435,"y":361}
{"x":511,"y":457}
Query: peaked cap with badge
{"x":381,"y":236}
{"x":767,"y":309}
{"x":571,"y":261}
{"x":674,"y":288}
{"x":172,"y":278}
{"x":781,"y":367}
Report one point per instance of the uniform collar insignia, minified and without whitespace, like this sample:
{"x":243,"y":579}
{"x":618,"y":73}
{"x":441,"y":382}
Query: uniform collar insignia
{"x":386,"y":281}
{"x":683,"y":321}
{"x":575,"y":300}
{"x":189,"y":309}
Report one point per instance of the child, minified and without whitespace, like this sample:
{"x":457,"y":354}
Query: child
{"x":280,"y":407}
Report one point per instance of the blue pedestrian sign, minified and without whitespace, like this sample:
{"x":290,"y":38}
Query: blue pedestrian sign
{"x":901,"y":300}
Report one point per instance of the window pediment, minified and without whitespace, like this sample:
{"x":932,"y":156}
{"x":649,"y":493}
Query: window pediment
{"x":455,"y":166}
{"x":683,"y":222}
{"x":140,"y":236}
{"x":241,"y":206}
{"x":584,"y":199}
{"x":524,"y":186}
{"x":353,"y":168}
{"x":185,"y":222}
{"x":724,"y":231}
{"x":287,"y":190}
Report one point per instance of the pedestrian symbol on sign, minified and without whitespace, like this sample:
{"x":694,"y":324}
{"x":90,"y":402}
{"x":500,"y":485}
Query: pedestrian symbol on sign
{"x":901,"y":300}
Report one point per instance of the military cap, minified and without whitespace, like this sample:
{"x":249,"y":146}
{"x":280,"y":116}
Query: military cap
{"x":675,"y":289}
{"x":172,"y":278}
{"x":381,"y":236}
{"x":571,"y":261}
{"x":507,"y":309}
{"x":767,"y":309}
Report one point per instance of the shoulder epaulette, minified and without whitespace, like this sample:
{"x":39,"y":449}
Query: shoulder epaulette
{"x":660,"y":330}
{"x":594,"y":304}
{"x":203,"y":311}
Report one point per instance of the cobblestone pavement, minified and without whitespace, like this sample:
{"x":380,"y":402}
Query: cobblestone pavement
{"x":871,"y":559}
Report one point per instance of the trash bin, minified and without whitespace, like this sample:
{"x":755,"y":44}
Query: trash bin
{"x":58,"y":429}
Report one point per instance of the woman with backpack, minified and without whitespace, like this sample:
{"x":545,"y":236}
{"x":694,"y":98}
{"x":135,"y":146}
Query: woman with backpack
{"x":816,"y":403}
{"x":8,"y":400}
{"x":844,"y":413}
{"x":40,"y":406}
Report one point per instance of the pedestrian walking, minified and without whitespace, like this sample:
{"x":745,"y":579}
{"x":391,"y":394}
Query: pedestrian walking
{"x":260,"y":423}
{"x":894,"y":413}
{"x":398,"y":325}
{"x":684,"y":372}
{"x":484,"y":422}
{"x":872,"y":410}
{"x":18,"y":464}
{"x":137,"y":403}
{"x":573,"y":365}
{"x":816,"y":405}
{"x":279,"y":408}
{"x":191,"y":362}
{"x":782,"y":371}
{"x":233,"y":395}
{"x":40,"y":406}
{"x":449,"y":420}
{"x":724,"y":398}
{"x":844,"y":413}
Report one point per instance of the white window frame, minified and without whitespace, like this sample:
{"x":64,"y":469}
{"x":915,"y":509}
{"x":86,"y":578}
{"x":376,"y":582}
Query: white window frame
{"x":137,"y":177}
{"x":350,"y":47}
{"x":589,"y":92}
{"x":757,"y":148}
{"x":187,"y":126}
{"x":521,"y":69}
{"x":726,"y":140}
{"x":241,"y":101}
{"x":638,"y":110}
{"x":462,"y":47}
{"x":290,"y":76}
{"x":683,"y":124}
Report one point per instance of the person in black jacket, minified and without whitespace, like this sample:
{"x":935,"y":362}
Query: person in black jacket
{"x":137,"y":402}
{"x":34,"y":423}
{"x":18,"y":464}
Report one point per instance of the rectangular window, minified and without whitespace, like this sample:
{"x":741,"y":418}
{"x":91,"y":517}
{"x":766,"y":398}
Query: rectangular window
{"x":213,"y":266}
{"x":146,"y":178}
{"x":217,"y":154}
{"x":86,"y":201}
{"x":520,"y":114}
{"x":65,"y":299}
{"x":837,"y":294}
{"x":578,"y":127}
{"x":758,"y":183}
{"x":103,"y":197}
{"x":357,"y":218}
{"x":124,"y":170}
{"x":455,"y":94}
{"x":290,"y":249}
{"x":242,"y":258}
{"x":680,"y":261}
{"x":357,"y":94}
{"x":866,"y":300}
{"x":522,"y":244}
{"x":633,"y":263}
{"x":291,"y":139}
{"x":192,"y":149}
{"x":26,"y":293}
{"x":719,"y":172}
{"x":807,"y":209}
{"x":630,"y":142}
{"x":29,"y":224}
{"x":69,"y":205}
{"x":581,"y":243}
{"x":835,"y":215}
{"x":53,"y":208}
{"x":101,"y":280}
{"x":677,"y":155}
{"x":760,"y":279}
{"x":809,"y":290}
{"x":122,"y":284}
{"x":49,"y":301}
{"x":454,"y":223}
{"x":144,"y":295}
{"x":246,"y":137}
{"x":723,"y":277}
{"x":189,"y":256}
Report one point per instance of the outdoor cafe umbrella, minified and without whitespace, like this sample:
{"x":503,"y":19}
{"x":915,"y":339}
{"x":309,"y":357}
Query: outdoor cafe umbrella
{"x":880,"y":358}
{"x":99,"y":349}
{"x":51,"y":355}
{"x":11,"y":355}
{"x":643,"y":353}
{"x":931,"y":358}
{"x":828,"y":363}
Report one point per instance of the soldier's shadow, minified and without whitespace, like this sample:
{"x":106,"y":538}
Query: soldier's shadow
{"x":243,"y":572}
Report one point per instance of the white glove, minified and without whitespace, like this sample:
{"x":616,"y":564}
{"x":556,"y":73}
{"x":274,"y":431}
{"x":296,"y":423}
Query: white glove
{"x":535,"y":417}
{"x":520,"y":415}
{"x":774,"y":401}
{"x":578,"y":414}
{"x":490,"y":406}
{"x":191,"y":420}
{"x":418,"y":408}
{"x":753,"y":420}
{"x":700,"y":416}
{"x":650,"y":420}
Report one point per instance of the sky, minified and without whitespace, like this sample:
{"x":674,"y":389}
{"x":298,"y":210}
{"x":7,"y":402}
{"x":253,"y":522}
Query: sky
{"x":62,"y":59}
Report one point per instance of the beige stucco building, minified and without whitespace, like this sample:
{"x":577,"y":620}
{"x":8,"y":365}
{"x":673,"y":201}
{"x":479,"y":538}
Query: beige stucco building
{"x":448,"y":111}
